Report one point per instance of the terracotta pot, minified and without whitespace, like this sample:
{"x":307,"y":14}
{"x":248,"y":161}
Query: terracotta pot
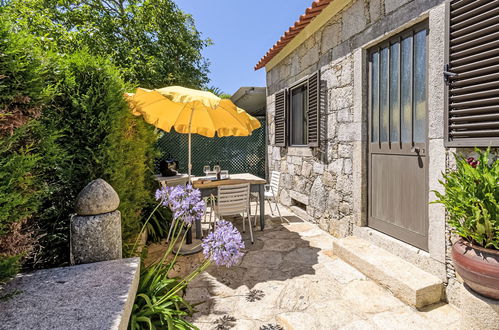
{"x":479,"y":267}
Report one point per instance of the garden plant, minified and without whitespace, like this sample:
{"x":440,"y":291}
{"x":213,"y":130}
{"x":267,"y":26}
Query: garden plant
{"x":472,"y":201}
{"x":159,"y":302}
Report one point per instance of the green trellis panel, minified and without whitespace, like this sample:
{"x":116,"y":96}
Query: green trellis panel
{"x":238,"y":154}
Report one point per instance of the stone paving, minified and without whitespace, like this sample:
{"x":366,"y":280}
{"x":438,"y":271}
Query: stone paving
{"x":291,"y":279}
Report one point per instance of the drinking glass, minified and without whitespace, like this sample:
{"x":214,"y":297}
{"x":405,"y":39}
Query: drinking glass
{"x":216,"y":168}
{"x":206,"y":169}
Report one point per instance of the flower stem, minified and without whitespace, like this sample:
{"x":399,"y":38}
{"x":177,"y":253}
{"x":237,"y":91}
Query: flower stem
{"x":144,"y":227}
{"x":172,"y":263}
{"x":182,"y":284}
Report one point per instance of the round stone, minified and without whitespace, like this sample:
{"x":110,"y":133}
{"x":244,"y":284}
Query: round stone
{"x":97,"y":197}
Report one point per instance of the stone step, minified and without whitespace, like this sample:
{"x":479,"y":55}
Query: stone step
{"x":407,"y":282}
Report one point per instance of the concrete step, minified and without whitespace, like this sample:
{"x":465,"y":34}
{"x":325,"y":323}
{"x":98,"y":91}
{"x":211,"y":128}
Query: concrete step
{"x":407,"y":282}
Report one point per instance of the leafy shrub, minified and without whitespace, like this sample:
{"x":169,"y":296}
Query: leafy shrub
{"x":56,"y":139}
{"x":25,"y":147}
{"x":472,"y":199}
{"x":101,"y":139}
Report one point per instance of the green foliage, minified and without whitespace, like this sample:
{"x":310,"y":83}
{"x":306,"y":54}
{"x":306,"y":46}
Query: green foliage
{"x":218,"y":92}
{"x":150,"y":310}
{"x":225,"y":96}
{"x":472,"y":199}
{"x":101,"y":139}
{"x":63,"y":122}
{"x":152,"y":41}
{"x":9,"y":266}
{"x":26,"y":148}
{"x":18,"y":186}
{"x":21,"y":90}
{"x":159,"y":223}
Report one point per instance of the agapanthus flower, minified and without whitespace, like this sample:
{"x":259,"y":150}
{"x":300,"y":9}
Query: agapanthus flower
{"x":184,"y":201}
{"x":162,"y":195}
{"x":223,"y":246}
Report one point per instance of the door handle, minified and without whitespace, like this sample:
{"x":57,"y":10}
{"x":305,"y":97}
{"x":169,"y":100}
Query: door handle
{"x":418,"y":150}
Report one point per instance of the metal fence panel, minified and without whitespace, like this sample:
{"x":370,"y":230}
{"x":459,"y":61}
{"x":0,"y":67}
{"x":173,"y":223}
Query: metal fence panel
{"x":237,"y":154}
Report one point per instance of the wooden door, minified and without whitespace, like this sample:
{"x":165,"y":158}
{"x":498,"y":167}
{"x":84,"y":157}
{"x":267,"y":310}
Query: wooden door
{"x":398,"y":137}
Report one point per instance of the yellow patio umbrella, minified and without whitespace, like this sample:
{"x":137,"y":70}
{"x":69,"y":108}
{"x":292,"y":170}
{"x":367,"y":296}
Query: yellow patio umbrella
{"x":192,"y":111}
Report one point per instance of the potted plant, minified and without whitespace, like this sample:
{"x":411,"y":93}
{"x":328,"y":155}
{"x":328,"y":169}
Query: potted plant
{"x":472,"y":201}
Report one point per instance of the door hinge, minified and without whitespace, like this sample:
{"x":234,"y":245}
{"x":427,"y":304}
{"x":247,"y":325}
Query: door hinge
{"x":448,"y":74}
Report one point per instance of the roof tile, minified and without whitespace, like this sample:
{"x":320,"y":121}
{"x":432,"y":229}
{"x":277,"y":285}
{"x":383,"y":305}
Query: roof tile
{"x":310,"y":13}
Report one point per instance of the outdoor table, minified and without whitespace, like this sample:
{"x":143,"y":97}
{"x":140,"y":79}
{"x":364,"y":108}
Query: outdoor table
{"x":208,"y":188}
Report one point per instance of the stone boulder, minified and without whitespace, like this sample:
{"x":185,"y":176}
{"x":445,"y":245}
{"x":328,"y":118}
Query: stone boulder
{"x":97,"y":197}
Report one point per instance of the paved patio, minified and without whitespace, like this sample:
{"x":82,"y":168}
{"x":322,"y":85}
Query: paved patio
{"x":291,"y":279}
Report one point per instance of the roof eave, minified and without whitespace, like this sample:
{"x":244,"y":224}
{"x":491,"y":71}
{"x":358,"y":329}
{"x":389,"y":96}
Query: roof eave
{"x":293,"y":38}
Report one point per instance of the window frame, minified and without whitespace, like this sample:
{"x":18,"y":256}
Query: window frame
{"x":410,"y":31}
{"x":301,"y":83}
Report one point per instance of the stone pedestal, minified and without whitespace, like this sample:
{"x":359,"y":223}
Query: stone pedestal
{"x":96,"y":237}
{"x":478,"y":312}
{"x":96,"y":227}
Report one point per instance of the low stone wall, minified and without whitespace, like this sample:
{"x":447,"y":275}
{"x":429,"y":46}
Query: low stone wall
{"x":99,"y":295}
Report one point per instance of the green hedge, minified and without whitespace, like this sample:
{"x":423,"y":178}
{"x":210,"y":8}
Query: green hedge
{"x":26,"y":148}
{"x":101,"y":139}
{"x":67,"y":123}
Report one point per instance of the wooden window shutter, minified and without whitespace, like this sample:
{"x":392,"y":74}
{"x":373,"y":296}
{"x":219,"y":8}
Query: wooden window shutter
{"x":313,"y":110}
{"x":472,"y":73}
{"x":280,"y":119}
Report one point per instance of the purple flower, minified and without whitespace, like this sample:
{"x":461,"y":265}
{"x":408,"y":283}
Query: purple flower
{"x":162,"y":195}
{"x":223,"y":246}
{"x":184,"y":201}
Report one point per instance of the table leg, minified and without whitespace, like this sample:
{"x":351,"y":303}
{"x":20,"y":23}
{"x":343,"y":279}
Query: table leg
{"x":261,"y":189}
{"x":199,"y":234}
{"x":188,"y":236}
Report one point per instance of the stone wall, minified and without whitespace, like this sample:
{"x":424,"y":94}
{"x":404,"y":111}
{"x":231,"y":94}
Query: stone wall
{"x":327,"y":185}
{"x":318,"y":183}
{"x":321,"y":178}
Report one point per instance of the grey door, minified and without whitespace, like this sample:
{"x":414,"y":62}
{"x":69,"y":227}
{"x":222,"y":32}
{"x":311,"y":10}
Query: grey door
{"x":398,"y":137}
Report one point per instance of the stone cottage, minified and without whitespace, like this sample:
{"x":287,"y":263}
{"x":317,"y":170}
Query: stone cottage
{"x":360,"y":122}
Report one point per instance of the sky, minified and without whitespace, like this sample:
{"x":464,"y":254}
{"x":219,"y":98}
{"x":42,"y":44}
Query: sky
{"x":242,"y":31}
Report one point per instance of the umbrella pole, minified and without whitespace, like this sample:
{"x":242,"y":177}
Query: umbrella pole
{"x":199,"y":234}
{"x":189,"y":166}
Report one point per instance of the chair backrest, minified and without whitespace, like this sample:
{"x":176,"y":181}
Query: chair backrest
{"x":275,"y":177}
{"x":233,"y":199}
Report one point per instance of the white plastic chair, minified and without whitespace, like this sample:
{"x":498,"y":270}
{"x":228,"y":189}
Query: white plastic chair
{"x":270,"y":193}
{"x":233,"y":200}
